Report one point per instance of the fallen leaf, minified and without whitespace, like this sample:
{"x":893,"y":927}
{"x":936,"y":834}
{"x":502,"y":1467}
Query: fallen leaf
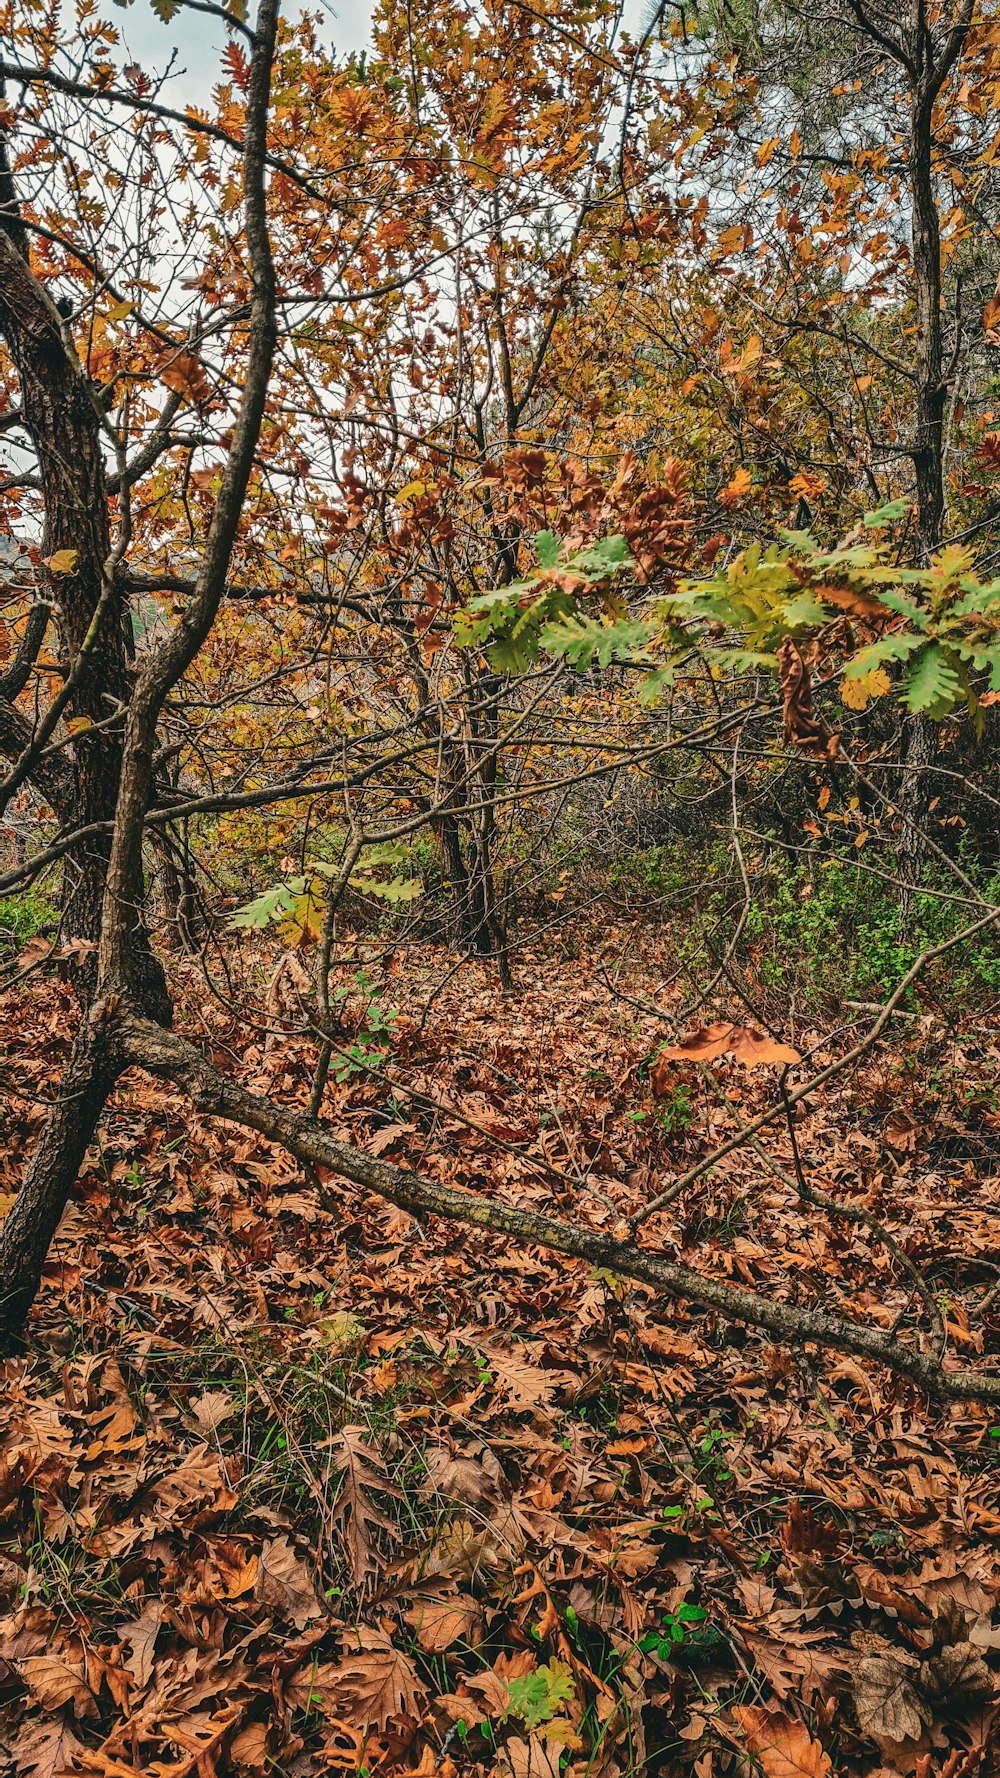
{"x":783,"y":1748}
{"x":56,"y":1683}
{"x":284,"y":1583}
{"x":886,"y":1701}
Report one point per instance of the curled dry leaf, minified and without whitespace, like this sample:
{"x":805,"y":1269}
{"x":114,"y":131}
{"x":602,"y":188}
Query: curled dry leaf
{"x":781,"y":1747}
{"x":802,"y":725}
{"x":752,"y":1048}
{"x":958,"y":1671}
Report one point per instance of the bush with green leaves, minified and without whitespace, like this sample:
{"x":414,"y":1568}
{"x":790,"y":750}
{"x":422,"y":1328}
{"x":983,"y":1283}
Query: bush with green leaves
{"x":23,"y":916}
{"x":296,"y":906}
{"x":937,"y":628}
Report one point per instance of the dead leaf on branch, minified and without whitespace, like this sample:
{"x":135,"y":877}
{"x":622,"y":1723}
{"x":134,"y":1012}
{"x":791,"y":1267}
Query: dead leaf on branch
{"x":802,"y":725}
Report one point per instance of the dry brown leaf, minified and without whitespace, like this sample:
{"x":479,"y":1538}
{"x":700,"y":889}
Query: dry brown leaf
{"x":362,"y":1473}
{"x":783,"y":1748}
{"x":211,"y":1409}
{"x":957,"y":1671}
{"x":530,"y":1758}
{"x":379,"y":1683}
{"x":140,"y":1636}
{"x":56,"y":1683}
{"x":440,"y":1623}
{"x":284,"y":1583}
{"x":802,"y":725}
{"x":886,"y":1701}
{"x":248,"y":1749}
{"x":753,"y":1048}
{"x":46,"y":1750}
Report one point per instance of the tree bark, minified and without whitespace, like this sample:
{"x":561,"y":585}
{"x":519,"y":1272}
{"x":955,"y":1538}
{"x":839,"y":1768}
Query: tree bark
{"x":34,"y":1216}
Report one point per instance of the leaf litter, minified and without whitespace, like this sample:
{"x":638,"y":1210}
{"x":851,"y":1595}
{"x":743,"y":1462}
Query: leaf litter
{"x":290,"y":1483}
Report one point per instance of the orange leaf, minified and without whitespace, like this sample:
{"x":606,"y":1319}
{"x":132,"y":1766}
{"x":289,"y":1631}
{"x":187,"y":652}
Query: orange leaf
{"x":753,"y":1048}
{"x":783,"y":1749}
{"x":737,"y":489}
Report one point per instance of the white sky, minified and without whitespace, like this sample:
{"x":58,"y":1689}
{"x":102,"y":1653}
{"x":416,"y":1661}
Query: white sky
{"x":197,"y":42}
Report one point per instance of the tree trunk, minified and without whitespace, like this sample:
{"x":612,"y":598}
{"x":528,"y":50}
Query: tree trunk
{"x":34,"y":1216}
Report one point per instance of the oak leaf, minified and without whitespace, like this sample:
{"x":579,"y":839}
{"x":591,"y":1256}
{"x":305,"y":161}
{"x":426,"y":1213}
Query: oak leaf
{"x":56,"y":1683}
{"x":284,"y":1583}
{"x":802,"y":725}
{"x":140,"y":1637}
{"x":379,"y":1683}
{"x":46,"y":1750}
{"x":440,"y":1623}
{"x":361,"y":1475}
{"x":956,"y":1671}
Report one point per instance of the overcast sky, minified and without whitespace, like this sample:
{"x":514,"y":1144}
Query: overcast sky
{"x":198,"y":41}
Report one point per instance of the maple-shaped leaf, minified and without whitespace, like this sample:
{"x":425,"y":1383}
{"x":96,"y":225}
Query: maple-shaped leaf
{"x":858,"y":692}
{"x":186,"y":376}
{"x":378,"y":1684}
{"x":781,"y":1747}
{"x":165,"y":9}
{"x":709,"y":1042}
{"x":737,"y":489}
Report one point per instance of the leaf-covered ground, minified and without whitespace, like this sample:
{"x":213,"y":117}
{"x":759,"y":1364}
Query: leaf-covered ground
{"x":291,"y":1485}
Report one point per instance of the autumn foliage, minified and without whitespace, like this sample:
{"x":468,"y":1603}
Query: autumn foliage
{"x":499,"y":891}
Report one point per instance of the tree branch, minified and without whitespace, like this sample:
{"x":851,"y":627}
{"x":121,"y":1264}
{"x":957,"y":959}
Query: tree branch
{"x":160,"y":1052}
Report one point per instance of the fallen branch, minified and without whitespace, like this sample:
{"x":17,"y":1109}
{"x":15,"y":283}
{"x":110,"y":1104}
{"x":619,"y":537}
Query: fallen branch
{"x":146,"y":1045}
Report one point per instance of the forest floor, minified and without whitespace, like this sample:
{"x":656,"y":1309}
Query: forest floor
{"x":292,"y":1485}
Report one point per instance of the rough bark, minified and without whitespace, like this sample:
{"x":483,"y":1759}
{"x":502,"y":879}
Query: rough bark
{"x":29,"y":1228}
{"x":113,"y":768}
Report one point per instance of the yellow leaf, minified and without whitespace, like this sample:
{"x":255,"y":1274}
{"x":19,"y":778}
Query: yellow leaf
{"x":63,"y":562}
{"x":856,"y":693}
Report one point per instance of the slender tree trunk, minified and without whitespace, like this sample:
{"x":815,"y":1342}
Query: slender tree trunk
{"x":28,"y":1230}
{"x":919,"y":734}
